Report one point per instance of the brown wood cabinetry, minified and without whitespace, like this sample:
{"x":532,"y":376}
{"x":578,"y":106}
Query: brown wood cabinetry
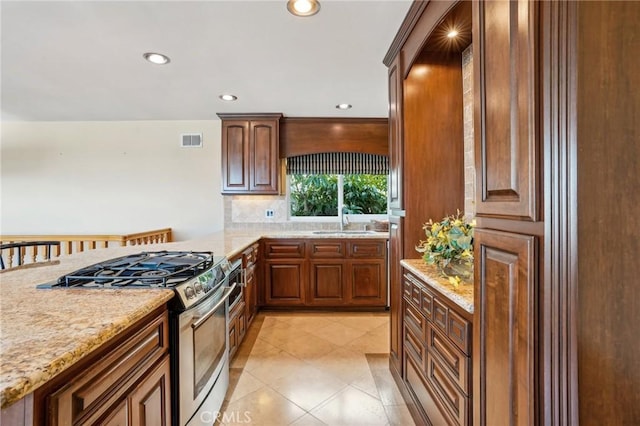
{"x":250,"y":262}
{"x":556,"y":130}
{"x":396,"y":156}
{"x":250,"y":153}
{"x":438,"y":371}
{"x":325,"y":272}
{"x":505,"y":55}
{"x":395,"y":293}
{"x":504,"y":362}
{"x":127,"y":383}
{"x":237,"y":326}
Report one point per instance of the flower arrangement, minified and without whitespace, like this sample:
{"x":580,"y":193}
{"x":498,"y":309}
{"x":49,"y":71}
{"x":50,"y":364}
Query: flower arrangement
{"x":449,"y":246}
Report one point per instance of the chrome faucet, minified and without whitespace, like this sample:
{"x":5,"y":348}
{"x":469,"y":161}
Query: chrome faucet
{"x":343,"y":218}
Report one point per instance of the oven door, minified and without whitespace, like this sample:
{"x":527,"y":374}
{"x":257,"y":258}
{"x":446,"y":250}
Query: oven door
{"x":203,"y":371}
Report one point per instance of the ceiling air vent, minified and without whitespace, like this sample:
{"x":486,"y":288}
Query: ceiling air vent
{"x":191,"y":140}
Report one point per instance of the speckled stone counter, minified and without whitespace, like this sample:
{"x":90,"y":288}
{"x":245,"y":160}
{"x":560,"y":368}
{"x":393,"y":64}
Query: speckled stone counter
{"x":462,"y":296}
{"x":44,"y":332}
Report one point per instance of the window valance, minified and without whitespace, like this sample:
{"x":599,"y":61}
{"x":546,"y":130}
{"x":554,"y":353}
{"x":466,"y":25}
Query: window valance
{"x":338,"y":163}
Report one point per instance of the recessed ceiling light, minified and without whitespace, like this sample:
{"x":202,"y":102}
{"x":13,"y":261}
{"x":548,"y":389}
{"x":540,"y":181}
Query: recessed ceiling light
{"x":452,"y":34}
{"x":344,"y":106}
{"x":303,"y":7}
{"x":156,"y":58}
{"x":228,"y":97}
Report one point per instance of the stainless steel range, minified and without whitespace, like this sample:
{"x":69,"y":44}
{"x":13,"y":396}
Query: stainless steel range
{"x":199,"y":316}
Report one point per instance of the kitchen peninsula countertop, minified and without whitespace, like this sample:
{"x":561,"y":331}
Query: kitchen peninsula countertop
{"x":462,"y":296}
{"x":44,"y":332}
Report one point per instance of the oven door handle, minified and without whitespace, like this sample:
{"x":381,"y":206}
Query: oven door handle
{"x":199,"y":320}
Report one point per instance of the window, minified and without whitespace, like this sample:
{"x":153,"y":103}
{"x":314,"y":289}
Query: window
{"x":322,"y":195}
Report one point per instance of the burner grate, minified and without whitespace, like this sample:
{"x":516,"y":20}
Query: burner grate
{"x":146,"y":269}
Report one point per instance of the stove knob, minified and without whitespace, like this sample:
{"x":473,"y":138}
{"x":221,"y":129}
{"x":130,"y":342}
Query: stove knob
{"x":198,"y":287}
{"x":188,"y":291}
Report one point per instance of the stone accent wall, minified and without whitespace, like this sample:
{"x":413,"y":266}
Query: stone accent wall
{"x":469,"y":155}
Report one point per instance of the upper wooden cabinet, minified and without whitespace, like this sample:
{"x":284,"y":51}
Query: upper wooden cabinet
{"x":250,"y":153}
{"x":505,"y":56}
{"x":395,"y":134}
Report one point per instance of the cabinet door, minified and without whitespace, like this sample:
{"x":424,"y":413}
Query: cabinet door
{"x":235,"y":156}
{"x":395,"y":291}
{"x":505,"y":56}
{"x":150,"y":401}
{"x":285,"y":283}
{"x":367,"y":282}
{"x":250,"y":293}
{"x":264,"y":161}
{"x":504,"y":329}
{"x":395,"y":134}
{"x":327,"y":285}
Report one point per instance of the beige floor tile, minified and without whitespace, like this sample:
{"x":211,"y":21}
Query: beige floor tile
{"x":308,"y":322}
{"x":258,"y":359}
{"x":308,"y":348}
{"x":343,"y":364}
{"x":351,"y":407}
{"x":338,"y":334}
{"x":399,"y":415}
{"x":369,"y":343}
{"x":308,"y":420}
{"x":279,"y":336}
{"x":308,"y":387}
{"x":367,"y":384}
{"x":245,"y":385}
{"x":262,"y":407}
{"x":278,"y":365}
{"x":363,"y":322}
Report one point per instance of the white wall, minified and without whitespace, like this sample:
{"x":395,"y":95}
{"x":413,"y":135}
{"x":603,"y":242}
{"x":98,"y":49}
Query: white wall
{"x":109,"y":178}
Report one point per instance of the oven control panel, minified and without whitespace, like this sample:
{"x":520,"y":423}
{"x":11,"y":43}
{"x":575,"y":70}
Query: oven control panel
{"x":193,"y":291}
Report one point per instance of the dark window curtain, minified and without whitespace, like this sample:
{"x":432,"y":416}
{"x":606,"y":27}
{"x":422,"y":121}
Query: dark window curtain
{"x":338,"y":163}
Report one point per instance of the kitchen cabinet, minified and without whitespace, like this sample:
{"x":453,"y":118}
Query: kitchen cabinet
{"x":126,"y":383}
{"x":395,"y":134}
{"x":437,"y":344}
{"x":506,"y":289}
{"x":325,"y":272}
{"x":237,"y":326}
{"x":505,"y":56}
{"x":250,"y":260}
{"x":395,"y":293}
{"x":250,"y":153}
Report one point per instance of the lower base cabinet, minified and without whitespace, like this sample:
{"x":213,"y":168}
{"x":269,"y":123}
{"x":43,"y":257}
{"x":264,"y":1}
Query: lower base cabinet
{"x":436,"y":354}
{"x":125,"y":384}
{"x":237,"y":326}
{"x":332,"y":273}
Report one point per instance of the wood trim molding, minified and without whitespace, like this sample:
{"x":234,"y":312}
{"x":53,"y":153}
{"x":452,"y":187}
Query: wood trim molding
{"x":414,"y":13}
{"x":250,"y":116}
{"x":311,"y":135}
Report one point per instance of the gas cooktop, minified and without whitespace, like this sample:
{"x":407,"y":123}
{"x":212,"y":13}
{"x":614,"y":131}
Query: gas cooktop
{"x":192,"y":275}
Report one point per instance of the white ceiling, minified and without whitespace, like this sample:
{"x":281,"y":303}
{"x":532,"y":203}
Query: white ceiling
{"x":82,"y":60}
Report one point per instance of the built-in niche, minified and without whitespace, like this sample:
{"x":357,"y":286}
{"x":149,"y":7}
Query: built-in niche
{"x":439,"y":160}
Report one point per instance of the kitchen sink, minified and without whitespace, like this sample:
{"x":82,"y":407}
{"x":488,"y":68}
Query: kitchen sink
{"x":344,"y":232}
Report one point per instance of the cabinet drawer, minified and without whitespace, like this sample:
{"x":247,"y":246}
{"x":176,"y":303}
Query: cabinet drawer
{"x":93,"y":391}
{"x":454,"y":401}
{"x":426,"y":303}
{"x":414,"y":346}
{"x":368,"y":249}
{"x":452,"y":360}
{"x":412,"y":289}
{"x":459,"y":332}
{"x":413,"y":318}
{"x":424,"y":395}
{"x":440,"y":315}
{"x":284,"y":249}
{"x":326,"y":249}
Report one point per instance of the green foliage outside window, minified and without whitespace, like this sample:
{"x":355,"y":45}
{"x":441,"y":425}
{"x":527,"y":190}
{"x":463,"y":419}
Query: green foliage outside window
{"x":317,"y":195}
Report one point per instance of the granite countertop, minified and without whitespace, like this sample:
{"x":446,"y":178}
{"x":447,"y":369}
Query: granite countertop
{"x":462,"y":296}
{"x":43,"y":332}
